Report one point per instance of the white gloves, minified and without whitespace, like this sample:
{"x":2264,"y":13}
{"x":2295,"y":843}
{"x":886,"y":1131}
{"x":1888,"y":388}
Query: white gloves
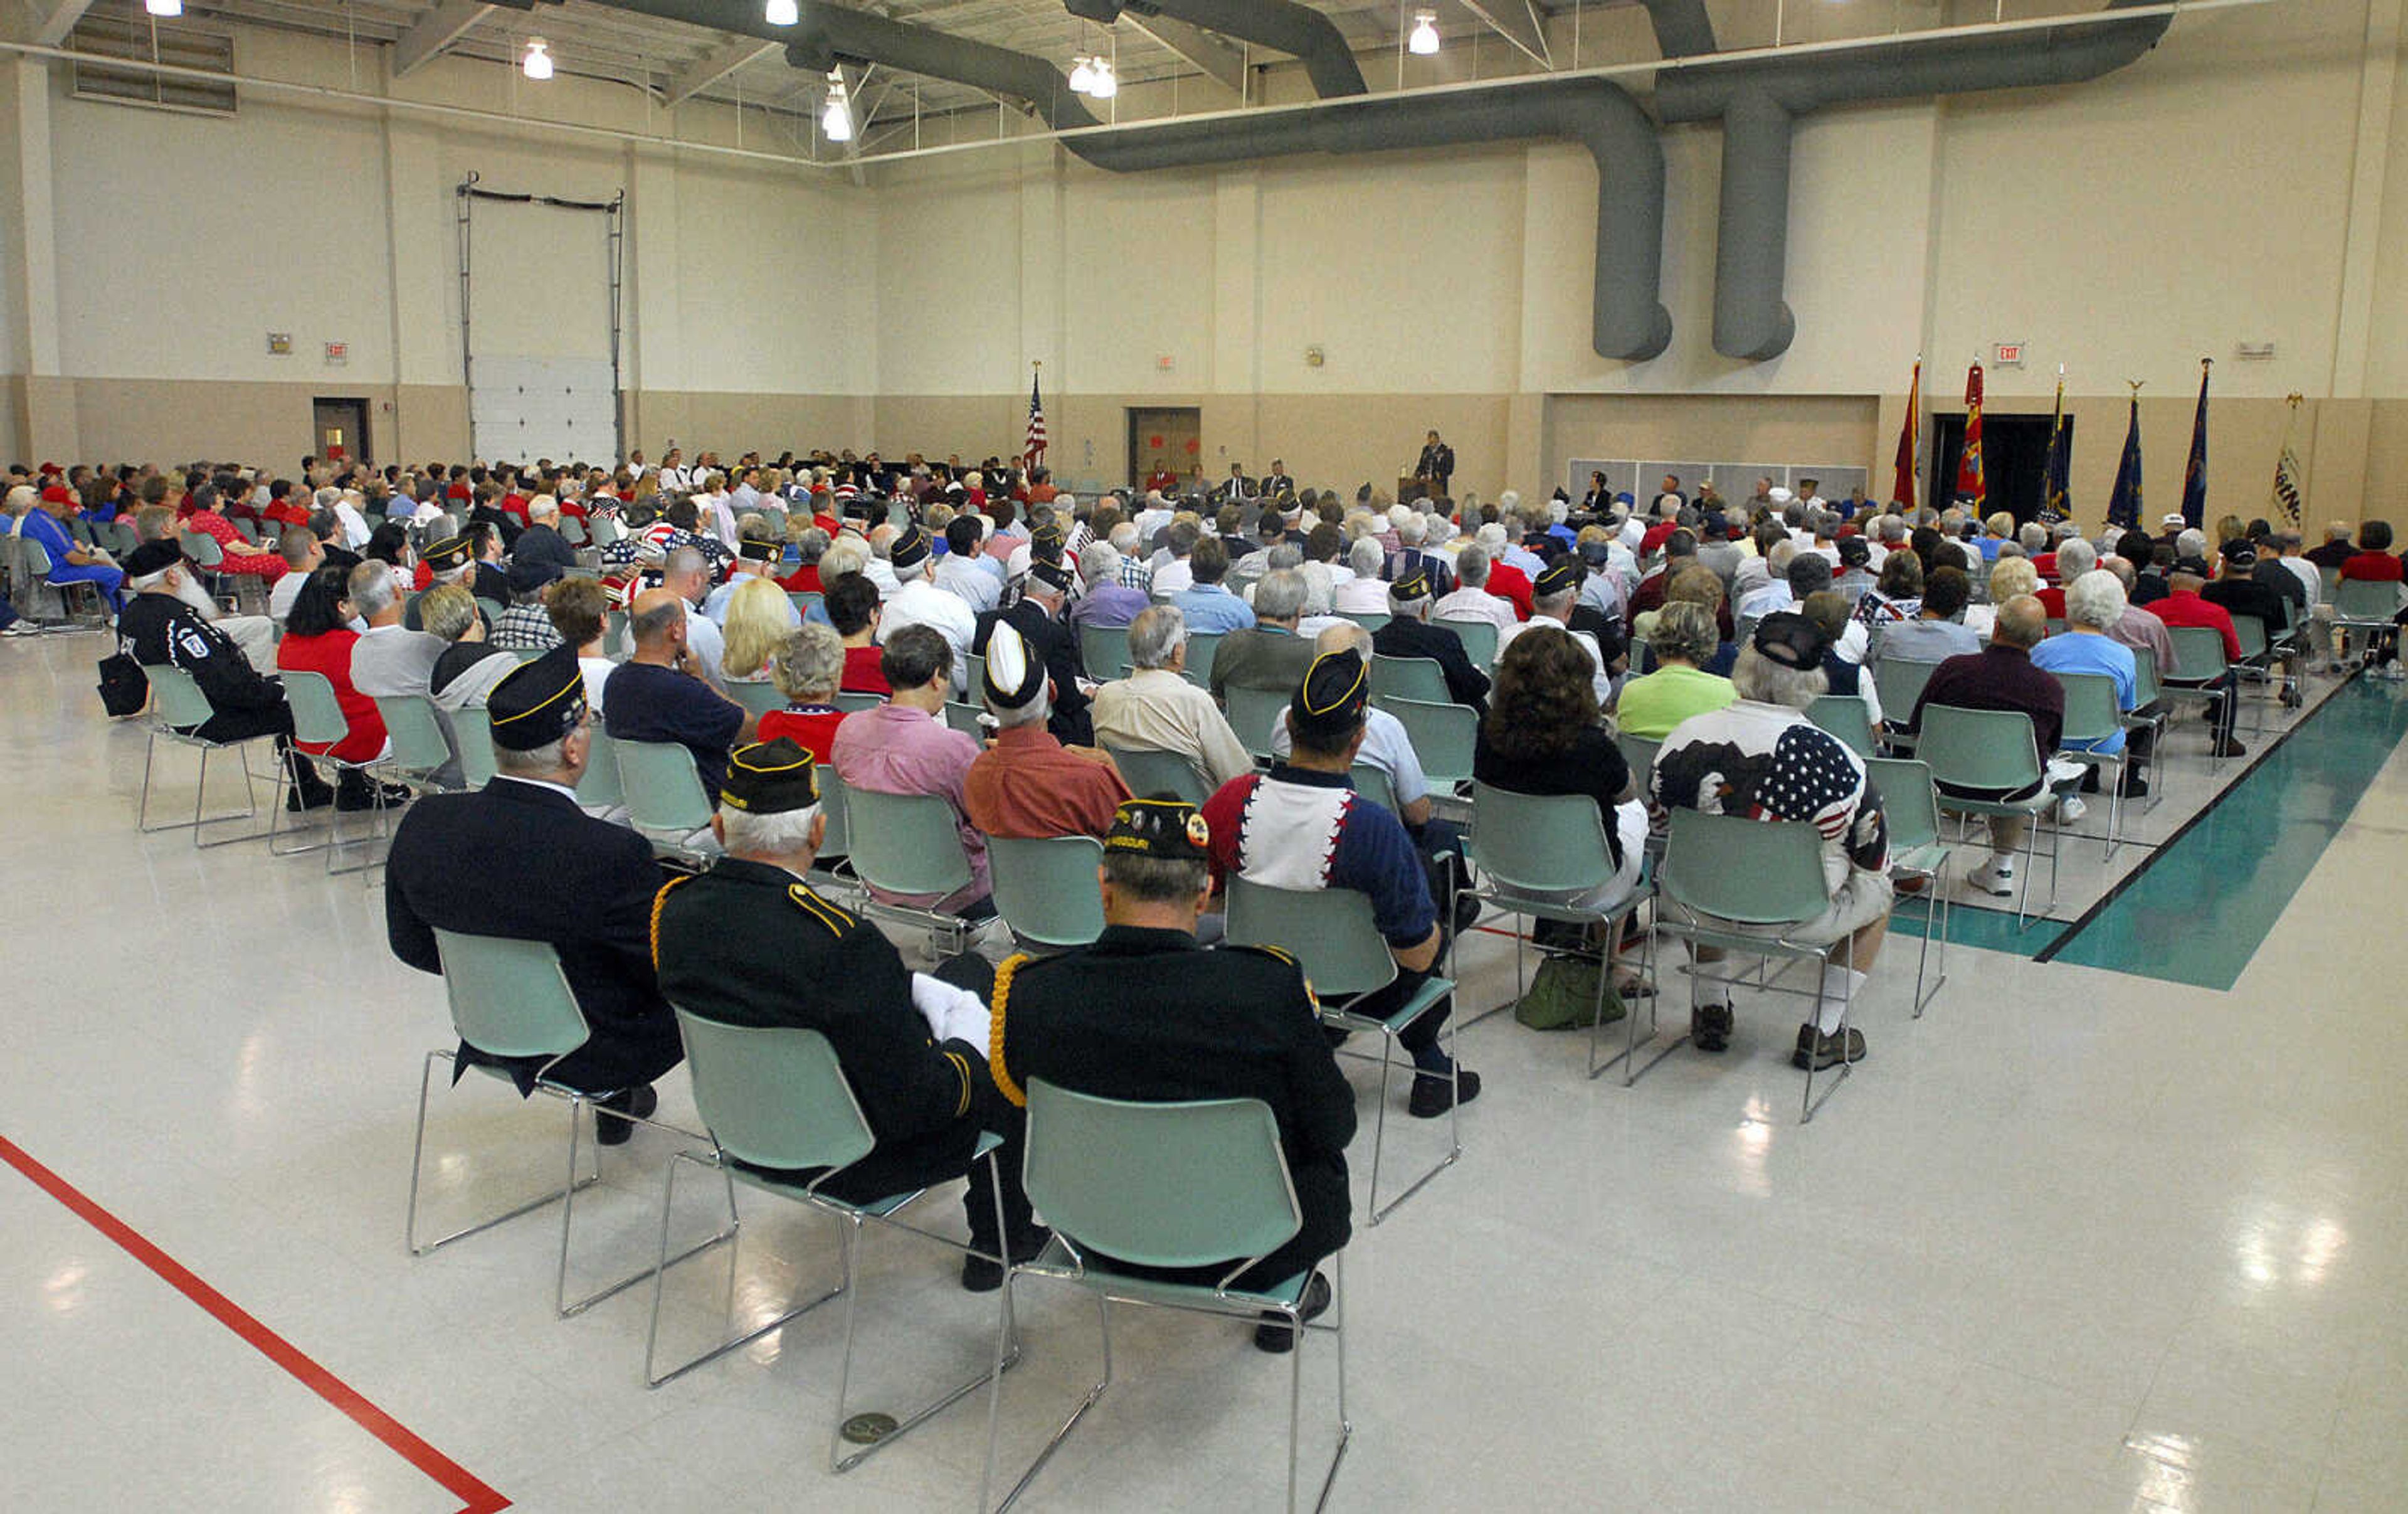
{"x":952,"y":1014}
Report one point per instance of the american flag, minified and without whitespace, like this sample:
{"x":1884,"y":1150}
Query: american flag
{"x":1032,"y":449}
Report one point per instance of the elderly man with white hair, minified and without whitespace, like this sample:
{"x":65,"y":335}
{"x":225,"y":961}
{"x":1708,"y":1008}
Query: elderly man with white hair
{"x":1155,"y":709}
{"x":1472,"y":598}
{"x":919,"y":600}
{"x":2094,"y":602}
{"x":1134,"y":572}
{"x":541,"y":541}
{"x":1552,"y":600}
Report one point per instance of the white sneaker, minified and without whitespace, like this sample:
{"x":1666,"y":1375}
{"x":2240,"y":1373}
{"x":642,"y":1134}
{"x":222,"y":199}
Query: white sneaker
{"x":2070,"y":809}
{"x":21,"y":628}
{"x":1993,"y":878}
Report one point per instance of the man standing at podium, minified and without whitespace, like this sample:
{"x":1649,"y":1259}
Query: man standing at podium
{"x":1436,"y":465}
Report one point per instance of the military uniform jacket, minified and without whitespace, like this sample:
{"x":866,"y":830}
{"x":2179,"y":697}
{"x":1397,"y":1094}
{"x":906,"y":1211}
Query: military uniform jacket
{"x":1072,"y":723}
{"x":160,"y":630}
{"x":1403,"y":637}
{"x":748,"y":943}
{"x":1150,"y":1015}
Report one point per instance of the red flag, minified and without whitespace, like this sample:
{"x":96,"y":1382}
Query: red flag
{"x":1969,"y":482}
{"x":1901,"y":490}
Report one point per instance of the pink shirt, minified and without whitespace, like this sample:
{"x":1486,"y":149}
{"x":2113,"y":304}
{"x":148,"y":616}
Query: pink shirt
{"x":896,"y":749}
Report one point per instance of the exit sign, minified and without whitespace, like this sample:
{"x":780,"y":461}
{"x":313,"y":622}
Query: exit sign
{"x":2008,"y":355}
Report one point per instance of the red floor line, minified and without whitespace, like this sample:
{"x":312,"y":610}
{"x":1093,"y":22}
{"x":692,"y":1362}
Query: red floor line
{"x":456,"y":1479}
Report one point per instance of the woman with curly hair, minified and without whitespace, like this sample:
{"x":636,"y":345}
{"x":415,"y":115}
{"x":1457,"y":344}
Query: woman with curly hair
{"x":1543,"y":735}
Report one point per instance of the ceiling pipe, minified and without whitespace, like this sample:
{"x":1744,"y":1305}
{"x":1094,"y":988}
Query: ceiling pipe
{"x":1627,"y":319}
{"x":1759,"y":103}
{"x":1302,"y":32}
{"x":1683,"y":28}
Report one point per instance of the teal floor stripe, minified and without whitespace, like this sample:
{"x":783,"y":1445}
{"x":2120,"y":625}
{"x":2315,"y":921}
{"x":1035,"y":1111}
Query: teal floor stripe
{"x":2199,"y":912}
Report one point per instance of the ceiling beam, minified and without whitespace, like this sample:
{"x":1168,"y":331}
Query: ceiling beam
{"x":433,"y":32}
{"x":717,"y":64}
{"x":1517,"y":21}
{"x":53,"y":29}
{"x":1219,"y":61}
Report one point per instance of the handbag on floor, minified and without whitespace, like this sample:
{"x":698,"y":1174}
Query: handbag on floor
{"x":123,"y":688}
{"x":1563,"y":996}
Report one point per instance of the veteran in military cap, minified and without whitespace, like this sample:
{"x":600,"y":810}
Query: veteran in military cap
{"x":1146,"y":1013}
{"x":1409,"y":634}
{"x":752,"y":943}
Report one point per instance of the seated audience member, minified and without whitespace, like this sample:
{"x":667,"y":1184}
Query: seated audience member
{"x":1934,"y":634}
{"x":1365,"y":593}
{"x":71,"y":562}
{"x":1760,"y":757}
{"x":303,"y":554}
{"x":918,"y":601}
{"x":2239,"y":592}
{"x":1027,"y":783}
{"x":2010,"y":578}
{"x":1155,"y":709}
{"x":660,"y":693}
{"x":2002,"y":676}
{"x":853,"y":609}
{"x":2334,"y":550}
{"x":239,"y":556}
{"x":541,"y":545}
{"x":759,"y":618}
{"x":580,"y":609}
{"x":1409,"y":634}
{"x":519,"y":860}
{"x":2183,"y":605}
{"x":2094,"y":600}
{"x":319,"y":639}
{"x":1829,"y":610}
{"x":965,"y":572}
{"x":1302,"y":826}
{"x":748,"y":942}
{"x":1037,"y":615}
{"x":1206,"y":605}
{"x":1175,"y":574}
{"x":469,"y":665}
{"x":1552,"y":595}
{"x":686,"y":574}
{"x":526,"y":625}
{"x":904,"y":746}
{"x":1897,"y":593}
{"x":1146,"y":1013}
{"x":756,"y":557}
{"x":1542,"y":736}
{"x":1269,"y":655}
{"x":390,"y":661}
{"x":806,"y":670}
{"x":2373,"y":561}
{"x":1683,"y":641}
{"x":1471,"y":600}
{"x":1104,"y":599}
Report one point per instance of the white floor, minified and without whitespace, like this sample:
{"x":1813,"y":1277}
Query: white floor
{"x":2076,"y":1241}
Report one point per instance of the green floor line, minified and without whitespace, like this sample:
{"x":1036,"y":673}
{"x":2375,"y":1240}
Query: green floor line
{"x":2197,"y":913}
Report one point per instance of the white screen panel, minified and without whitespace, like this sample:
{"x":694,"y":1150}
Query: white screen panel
{"x":562,"y":407}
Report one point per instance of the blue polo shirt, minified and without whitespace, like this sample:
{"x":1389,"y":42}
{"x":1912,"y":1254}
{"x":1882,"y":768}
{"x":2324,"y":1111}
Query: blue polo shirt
{"x":2074,"y":653}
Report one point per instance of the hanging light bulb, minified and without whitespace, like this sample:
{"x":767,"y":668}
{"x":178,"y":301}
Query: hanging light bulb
{"x":1082,"y":77}
{"x":1424,"y":40}
{"x":164,"y":7}
{"x":538,"y":62}
{"x":782,"y":13}
{"x":1104,"y":86}
{"x":835,"y":121}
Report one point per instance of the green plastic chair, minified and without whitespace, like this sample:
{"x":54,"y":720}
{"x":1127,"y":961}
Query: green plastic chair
{"x":1202,"y":648}
{"x":665,"y":797}
{"x":758,"y":696}
{"x":1253,"y":714}
{"x":601,"y":787}
{"x":1373,"y":784}
{"x":1371,"y":620}
{"x":1332,"y":934}
{"x":2198,"y":661}
{"x":177,"y":709}
{"x":1103,"y":651}
{"x":318,"y":720}
{"x":1992,"y":751}
{"x":1479,"y":639}
{"x":1443,"y":735}
{"x":2363,"y":604}
{"x":1160,"y":772}
{"x":1045,"y":888}
{"x":1408,"y":678}
{"x":851,"y":702}
{"x":35,"y":559}
{"x":421,"y":749}
{"x":965,"y":719}
{"x":474,"y":728}
{"x":1536,"y":851}
{"x":1726,"y":870}
{"x":2092,"y":713}
{"x":775,"y":1097}
{"x":1899,"y":681}
{"x":490,"y":608}
{"x":1847,"y":716}
{"x":509,"y":998}
{"x":1917,"y":848}
{"x":909,"y":844}
{"x":1094,"y":1167}
{"x":804,"y":600}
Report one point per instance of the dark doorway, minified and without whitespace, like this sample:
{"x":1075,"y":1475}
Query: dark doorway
{"x":339,"y":430}
{"x":1165,"y":440}
{"x":2014,"y":461}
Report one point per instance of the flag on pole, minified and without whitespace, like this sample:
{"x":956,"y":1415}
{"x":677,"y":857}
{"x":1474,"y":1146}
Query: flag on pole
{"x":2194,"y":501}
{"x":1971,"y":484}
{"x":2124,"y":502}
{"x":1909,"y":436}
{"x":2290,"y":497}
{"x":2061,"y":461}
{"x":1032,"y":447}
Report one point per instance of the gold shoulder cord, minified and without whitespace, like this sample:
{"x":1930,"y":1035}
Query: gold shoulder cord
{"x":1003,"y":975}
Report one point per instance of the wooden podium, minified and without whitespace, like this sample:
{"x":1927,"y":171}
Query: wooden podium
{"x":1411,"y":486}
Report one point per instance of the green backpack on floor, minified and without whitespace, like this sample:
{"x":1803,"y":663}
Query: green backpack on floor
{"x":1563,"y":996}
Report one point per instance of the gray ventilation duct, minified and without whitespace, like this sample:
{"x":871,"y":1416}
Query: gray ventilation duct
{"x":1280,"y":25}
{"x":1758,"y":102}
{"x":1683,"y":29}
{"x":1626,"y":321}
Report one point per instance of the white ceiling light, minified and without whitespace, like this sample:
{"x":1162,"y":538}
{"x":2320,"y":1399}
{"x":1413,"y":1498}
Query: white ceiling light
{"x":538,"y":62}
{"x":1425,"y":37}
{"x":835,"y":121}
{"x":1104,"y":85}
{"x":1082,"y":77}
{"x":782,"y":13}
{"x":164,"y":7}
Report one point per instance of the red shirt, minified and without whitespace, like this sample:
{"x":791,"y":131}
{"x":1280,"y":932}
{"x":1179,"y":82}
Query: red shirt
{"x":803,"y":580}
{"x":1026,"y":784}
{"x":1656,"y":536}
{"x":287,"y":511}
{"x":2054,"y":601}
{"x":1512,"y":585}
{"x":862,"y":674}
{"x":2045,"y":564}
{"x":812,"y":726}
{"x":241,"y":556}
{"x":331,"y":656}
{"x":515,"y":505}
{"x":2185,"y":607}
{"x":2374,"y":567}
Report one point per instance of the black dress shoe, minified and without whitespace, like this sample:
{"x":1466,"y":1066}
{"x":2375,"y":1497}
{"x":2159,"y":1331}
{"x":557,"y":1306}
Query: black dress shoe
{"x":1274,"y":1335}
{"x":985,"y":1275}
{"x":639,"y":1101}
{"x":1709,"y":1027}
{"x":354,"y":798}
{"x":298,"y":799}
{"x":1434,"y":1096}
